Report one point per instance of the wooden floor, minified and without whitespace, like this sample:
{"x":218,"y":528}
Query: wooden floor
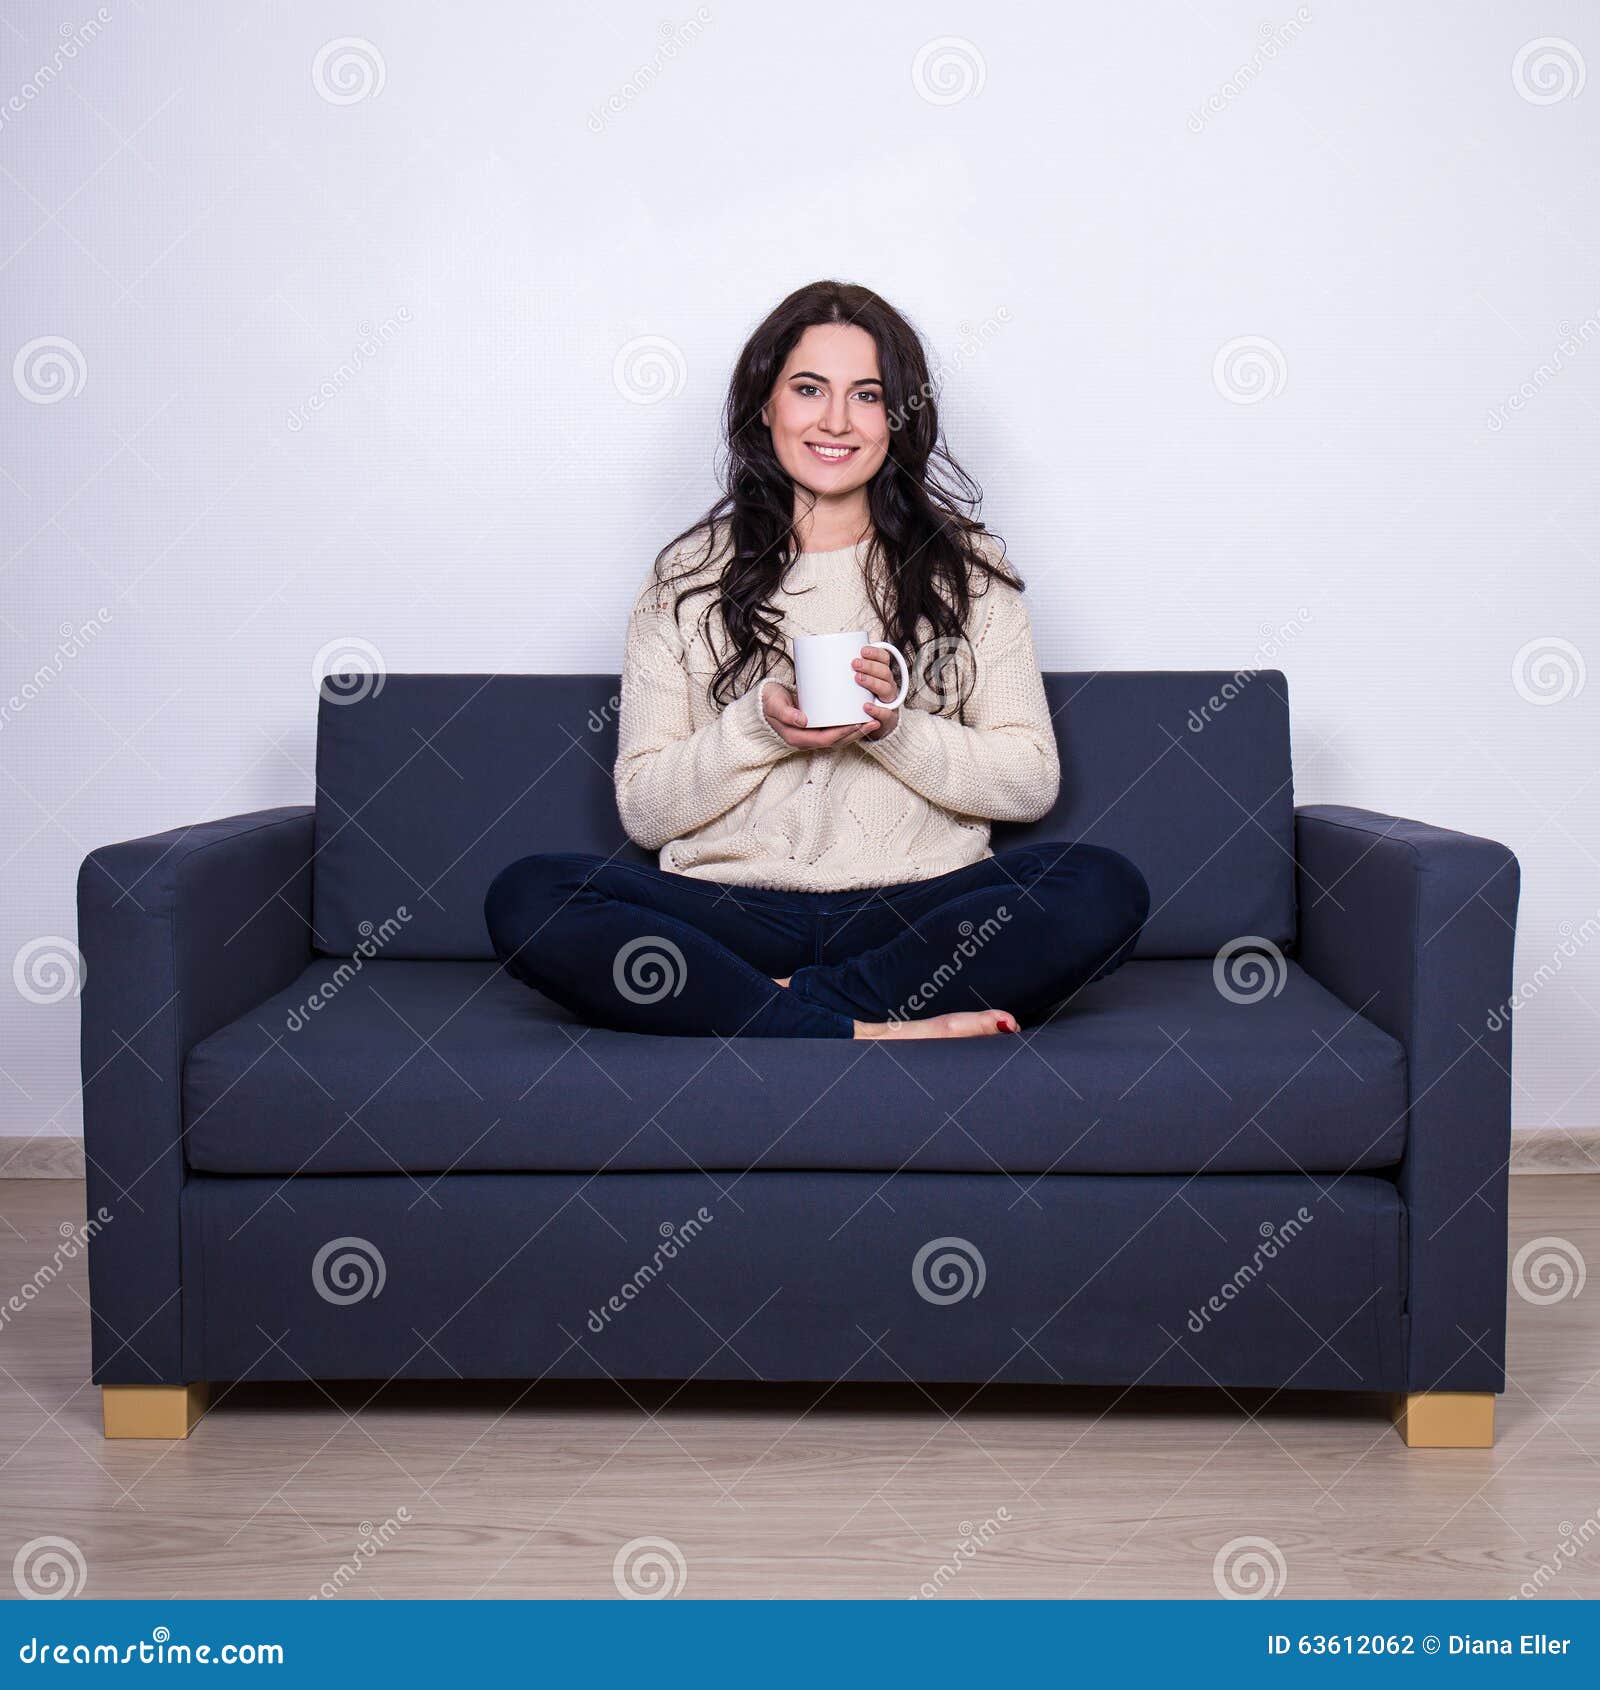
{"x":799,"y":1491}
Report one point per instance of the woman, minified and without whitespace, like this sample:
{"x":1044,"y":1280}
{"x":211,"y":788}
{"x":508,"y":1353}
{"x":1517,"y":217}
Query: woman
{"x":830,"y":882}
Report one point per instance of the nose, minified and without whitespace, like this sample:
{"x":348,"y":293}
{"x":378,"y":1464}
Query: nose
{"x":836,"y":416}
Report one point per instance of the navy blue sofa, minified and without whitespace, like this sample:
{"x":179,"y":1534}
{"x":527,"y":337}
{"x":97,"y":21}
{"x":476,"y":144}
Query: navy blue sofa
{"x":337,"y":1141}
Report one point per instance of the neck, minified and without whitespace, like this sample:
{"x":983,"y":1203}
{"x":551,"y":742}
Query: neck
{"x":831,"y":524}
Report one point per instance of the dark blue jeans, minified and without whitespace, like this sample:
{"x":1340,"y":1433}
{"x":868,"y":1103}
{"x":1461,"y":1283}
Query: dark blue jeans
{"x":635,"y":948}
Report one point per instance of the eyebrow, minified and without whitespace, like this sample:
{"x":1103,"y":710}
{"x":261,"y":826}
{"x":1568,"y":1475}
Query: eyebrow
{"x":862,"y":381}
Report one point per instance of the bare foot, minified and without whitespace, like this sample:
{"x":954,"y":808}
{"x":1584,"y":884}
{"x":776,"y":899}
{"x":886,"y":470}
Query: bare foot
{"x":783,"y":982}
{"x":959,"y":1024}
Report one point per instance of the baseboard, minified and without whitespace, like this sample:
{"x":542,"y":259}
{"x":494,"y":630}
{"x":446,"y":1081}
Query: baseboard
{"x":1537,"y":1150}
{"x":47,"y":1156}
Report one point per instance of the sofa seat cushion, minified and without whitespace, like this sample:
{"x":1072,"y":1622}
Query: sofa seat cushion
{"x":426,"y":1066}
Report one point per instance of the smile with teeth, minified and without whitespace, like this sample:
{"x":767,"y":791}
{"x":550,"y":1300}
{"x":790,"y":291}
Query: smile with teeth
{"x":833,"y":454}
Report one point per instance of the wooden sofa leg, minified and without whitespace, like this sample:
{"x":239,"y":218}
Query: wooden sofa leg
{"x":151,"y":1411}
{"x":1445,"y":1419}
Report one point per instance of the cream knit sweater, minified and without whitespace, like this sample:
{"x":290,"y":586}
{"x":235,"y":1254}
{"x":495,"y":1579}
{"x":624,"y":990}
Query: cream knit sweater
{"x":722,"y":796}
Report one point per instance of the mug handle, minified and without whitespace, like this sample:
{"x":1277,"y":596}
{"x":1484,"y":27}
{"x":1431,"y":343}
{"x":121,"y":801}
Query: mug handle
{"x":905,"y":673}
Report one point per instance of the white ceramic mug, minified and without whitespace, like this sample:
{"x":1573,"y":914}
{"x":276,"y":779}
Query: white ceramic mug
{"x":830,"y":694}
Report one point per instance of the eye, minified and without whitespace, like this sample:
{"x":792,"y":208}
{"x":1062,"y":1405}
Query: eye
{"x":871,"y":395}
{"x":807,"y":388}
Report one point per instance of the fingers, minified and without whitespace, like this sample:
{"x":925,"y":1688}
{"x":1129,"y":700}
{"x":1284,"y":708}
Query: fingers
{"x":783,"y":711}
{"x":875,"y":676}
{"x":837,"y":736}
{"x":820,"y":739}
{"x":883,"y":719}
{"x":781,"y":707}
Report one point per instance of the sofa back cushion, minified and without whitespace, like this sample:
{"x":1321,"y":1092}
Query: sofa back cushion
{"x":428,"y":785}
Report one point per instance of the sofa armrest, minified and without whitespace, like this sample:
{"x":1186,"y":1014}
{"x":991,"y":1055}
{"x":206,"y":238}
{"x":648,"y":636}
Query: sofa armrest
{"x":180,"y":934}
{"x":1414,"y":927}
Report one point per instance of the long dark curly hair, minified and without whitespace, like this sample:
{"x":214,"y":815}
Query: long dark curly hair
{"x":925,"y":552}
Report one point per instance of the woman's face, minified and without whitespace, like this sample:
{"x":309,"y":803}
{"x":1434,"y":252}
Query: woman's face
{"x":829,"y":427}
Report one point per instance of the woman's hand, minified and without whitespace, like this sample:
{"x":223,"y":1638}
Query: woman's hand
{"x":873,"y":672}
{"x":789,"y":722}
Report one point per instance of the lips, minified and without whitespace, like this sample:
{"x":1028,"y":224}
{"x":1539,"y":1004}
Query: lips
{"x":832,"y":454}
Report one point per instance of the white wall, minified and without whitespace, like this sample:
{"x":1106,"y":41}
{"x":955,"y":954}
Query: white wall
{"x":1410,"y":229}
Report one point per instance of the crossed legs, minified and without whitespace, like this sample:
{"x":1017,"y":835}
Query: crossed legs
{"x":635,"y":948}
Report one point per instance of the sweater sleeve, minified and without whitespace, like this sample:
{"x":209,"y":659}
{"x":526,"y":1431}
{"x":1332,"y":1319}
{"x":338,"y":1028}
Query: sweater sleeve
{"x":672,"y":778}
{"x":1000,"y":762}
